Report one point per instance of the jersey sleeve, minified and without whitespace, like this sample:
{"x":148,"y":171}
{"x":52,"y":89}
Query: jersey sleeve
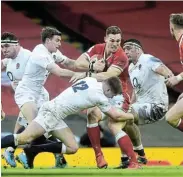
{"x":59,"y":57}
{"x":42,"y":61}
{"x":120,"y":62}
{"x":103,"y":103}
{"x":91,"y":52}
{"x":154,"y":63}
{"x":5,"y":61}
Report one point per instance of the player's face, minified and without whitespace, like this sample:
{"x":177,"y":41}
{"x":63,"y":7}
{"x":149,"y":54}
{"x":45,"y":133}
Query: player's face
{"x":8,"y":50}
{"x":113,"y":42}
{"x":107,"y":91}
{"x":172,"y":30}
{"x":131,"y":52}
{"x":54,"y":43}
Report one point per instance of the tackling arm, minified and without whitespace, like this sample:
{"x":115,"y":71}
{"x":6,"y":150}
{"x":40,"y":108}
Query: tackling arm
{"x":112,"y":71}
{"x":118,"y":115}
{"x":56,"y":70}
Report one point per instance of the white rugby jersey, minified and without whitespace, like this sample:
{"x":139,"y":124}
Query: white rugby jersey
{"x":83,"y":94}
{"x":15,"y":68}
{"x":36,"y":73}
{"x":149,"y":86}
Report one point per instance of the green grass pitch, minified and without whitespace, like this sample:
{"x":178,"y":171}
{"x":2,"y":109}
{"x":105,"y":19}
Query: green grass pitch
{"x":169,"y":171}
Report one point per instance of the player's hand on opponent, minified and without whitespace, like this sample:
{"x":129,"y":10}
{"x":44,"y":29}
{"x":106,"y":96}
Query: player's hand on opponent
{"x":99,"y":66}
{"x":77,"y":76}
{"x":2,"y":115}
{"x":172,"y":81}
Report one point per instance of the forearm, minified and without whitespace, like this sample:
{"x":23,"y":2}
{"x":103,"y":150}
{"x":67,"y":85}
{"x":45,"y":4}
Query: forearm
{"x":164,"y":71}
{"x":124,"y":117}
{"x":82,"y":63}
{"x":66,"y":73}
{"x":102,"y":76}
{"x":70,"y":64}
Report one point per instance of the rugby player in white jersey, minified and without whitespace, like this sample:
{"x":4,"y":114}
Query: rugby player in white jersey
{"x":15,"y":61}
{"x":83,"y":94}
{"x":150,"y":98}
{"x":175,"y":115}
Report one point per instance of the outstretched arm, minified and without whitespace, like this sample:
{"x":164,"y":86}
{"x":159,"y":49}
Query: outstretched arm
{"x":56,"y":70}
{"x":118,"y":115}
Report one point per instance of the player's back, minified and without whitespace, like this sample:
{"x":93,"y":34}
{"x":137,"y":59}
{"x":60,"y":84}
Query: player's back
{"x":148,"y":85}
{"x":83,"y":94}
{"x":15,"y":68}
{"x":35,"y":72}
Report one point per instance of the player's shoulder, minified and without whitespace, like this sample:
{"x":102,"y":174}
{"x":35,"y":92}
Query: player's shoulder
{"x":120,"y":54}
{"x":100,"y":46}
{"x":25,"y":53}
{"x":90,"y":80}
{"x":152,"y":58}
{"x":39,"y":49}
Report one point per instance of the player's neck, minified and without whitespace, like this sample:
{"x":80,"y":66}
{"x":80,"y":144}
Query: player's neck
{"x":17,"y":52}
{"x":178,"y":34}
{"x":107,"y":53}
{"x":137,"y":59}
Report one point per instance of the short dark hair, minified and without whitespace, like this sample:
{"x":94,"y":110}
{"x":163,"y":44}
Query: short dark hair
{"x":115,"y":84}
{"x":177,"y":20}
{"x":133,"y":42}
{"x":9,"y":36}
{"x":113,"y":30}
{"x":49,"y":32}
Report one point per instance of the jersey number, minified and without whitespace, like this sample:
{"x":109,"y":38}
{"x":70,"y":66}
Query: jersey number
{"x":80,"y":86}
{"x":10,"y":75}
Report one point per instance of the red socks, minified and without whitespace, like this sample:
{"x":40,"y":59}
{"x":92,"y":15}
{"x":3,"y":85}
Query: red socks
{"x":93,"y":131}
{"x":126,"y":145}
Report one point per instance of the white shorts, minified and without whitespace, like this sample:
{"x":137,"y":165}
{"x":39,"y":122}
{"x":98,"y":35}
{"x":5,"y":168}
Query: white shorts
{"x":48,"y":121}
{"x":149,"y":113}
{"x":24,"y":95}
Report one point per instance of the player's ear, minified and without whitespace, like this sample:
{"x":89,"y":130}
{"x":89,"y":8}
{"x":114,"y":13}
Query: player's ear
{"x":47,"y":40}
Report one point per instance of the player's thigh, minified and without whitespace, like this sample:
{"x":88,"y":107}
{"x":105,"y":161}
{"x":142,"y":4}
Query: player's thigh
{"x":44,"y":97}
{"x":115,"y":127}
{"x":33,"y":131}
{"x":176,"y":111}
{"x":29,"y":110}
{"x":94,"y":115}
{"x":66,"y":136}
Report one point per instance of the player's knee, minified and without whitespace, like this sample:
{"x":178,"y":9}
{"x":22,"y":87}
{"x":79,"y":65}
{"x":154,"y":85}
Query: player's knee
{"x":74,"y":148}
